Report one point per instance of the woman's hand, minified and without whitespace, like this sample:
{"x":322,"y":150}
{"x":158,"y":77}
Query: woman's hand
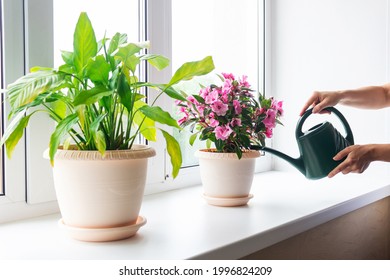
{"x":357,"y":159}
{"x":320,"y":100}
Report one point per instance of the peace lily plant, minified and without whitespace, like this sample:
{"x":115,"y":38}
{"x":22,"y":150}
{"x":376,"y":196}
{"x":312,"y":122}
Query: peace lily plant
{"x":96,"y":97}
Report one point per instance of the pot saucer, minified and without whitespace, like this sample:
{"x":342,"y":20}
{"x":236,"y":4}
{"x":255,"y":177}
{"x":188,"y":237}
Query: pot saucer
{"x":103,"y":234}
{"x":227,"y":201}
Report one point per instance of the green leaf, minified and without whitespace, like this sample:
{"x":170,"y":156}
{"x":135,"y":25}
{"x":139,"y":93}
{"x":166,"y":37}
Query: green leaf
{"x":193,"y":138}
{"x":147,"y":126}
{"x":208,"y":143}
{"x":127,"y":97}
{"x":62,"y":128}
{"x":115,"y":42}
{"x":59,"y":107}
{"x":127,"y":54}
{"x":170,"y":91}
{"x":191,"y":69}
{"x":40,"y":68}
{"x":97,"y":69}
{"x":100,"y":142}
{"x":91,"y":96}
{"x":84,"y":42}
{"x":158,"y":61}
{"x":67,"y":57}
{"x":199,"y":99}
{"x":98,"y":135}
{"x":14,"y":132}
{"x":159,"y":115}
{"x":174,"y":152}
{"x":27,"y":88}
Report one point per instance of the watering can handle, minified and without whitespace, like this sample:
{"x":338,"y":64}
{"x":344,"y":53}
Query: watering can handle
{"x":349,"y":137}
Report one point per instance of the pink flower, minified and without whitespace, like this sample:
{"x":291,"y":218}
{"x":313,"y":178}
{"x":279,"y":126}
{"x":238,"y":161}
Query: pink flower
{"x":213,"y":122}
{"x":228,"y":76}
{"x":222,"y":132}
{"x":243,"y":81}
{"x":192,"y":100}
{"x":211,"y":97}
{"x":259,"y":111}
{"x":237,"y":107}
{"x":200,"y":109}
{"x":278,"y":106}
{"x":183,"y":119}
{"x":268,"y":132}
{"x":219,"y":108}
{"x":227,"y":87}
{"x":269,"y":120}
{"x":204,"y":92}
{"x":235,"y":122}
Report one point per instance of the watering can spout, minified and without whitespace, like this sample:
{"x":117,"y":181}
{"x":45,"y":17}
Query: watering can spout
{"x":296,"y":162}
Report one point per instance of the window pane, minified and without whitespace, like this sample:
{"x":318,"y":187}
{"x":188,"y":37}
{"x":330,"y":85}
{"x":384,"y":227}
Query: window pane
{"x":225,"y":29}
{"x":1,"y":106}
{"x":117,"y":16}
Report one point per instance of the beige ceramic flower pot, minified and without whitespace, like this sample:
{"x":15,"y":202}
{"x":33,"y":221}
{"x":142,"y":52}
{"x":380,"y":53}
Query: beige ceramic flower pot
{"x":226,"y":179}
{"x":96,"y":194}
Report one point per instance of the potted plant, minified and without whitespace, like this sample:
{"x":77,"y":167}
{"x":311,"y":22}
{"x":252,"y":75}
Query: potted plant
{"x":231,"y":117}
{"x":99,"y":105}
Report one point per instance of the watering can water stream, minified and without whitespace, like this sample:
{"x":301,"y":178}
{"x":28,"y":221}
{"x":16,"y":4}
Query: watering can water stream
{"x":317,"y":146}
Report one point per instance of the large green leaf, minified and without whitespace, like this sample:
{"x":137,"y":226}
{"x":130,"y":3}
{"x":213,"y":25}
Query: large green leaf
{"x":84,"y":42}
{"x":16,"y":135}
{"x":13,"y":131}
{"x":158,"y":61}
{"x":170,"y":91}
{"x":147,"y":126}
{"x":97,"y":69}
{"x":62,"y":128}
{"x":174,"y":152}
{"x":159,"y":115}
{"x":27,"y":88}
{"x":191,"y":69}
{"x":91,"y":96}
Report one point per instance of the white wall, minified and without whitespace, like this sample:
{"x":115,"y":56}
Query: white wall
{"x":327,"y":45}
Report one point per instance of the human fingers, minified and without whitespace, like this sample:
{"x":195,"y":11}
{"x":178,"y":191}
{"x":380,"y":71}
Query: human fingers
{"x":345,"y":152}
{"x":343,"y":167}
{"x":309,"y":102}
{"x":319,"y":100}
{"x":339,"y":168}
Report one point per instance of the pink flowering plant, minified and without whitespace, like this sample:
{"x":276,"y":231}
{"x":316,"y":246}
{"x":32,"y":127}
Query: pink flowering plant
{"x":230,"y":116}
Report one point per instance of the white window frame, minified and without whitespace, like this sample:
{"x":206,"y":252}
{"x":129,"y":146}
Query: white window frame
{"x":27,"y":193}
{"x":29,"y":185}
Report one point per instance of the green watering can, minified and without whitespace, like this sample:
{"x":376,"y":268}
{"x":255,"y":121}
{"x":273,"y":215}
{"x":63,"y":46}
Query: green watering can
{"x":317,"y":146}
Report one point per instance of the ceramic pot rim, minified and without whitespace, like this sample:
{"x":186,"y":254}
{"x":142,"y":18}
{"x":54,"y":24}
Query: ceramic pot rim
{"x":136,"y":152}
{"x":212,"y":154}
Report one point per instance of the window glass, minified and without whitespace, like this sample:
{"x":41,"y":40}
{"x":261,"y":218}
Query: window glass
{"x":225,"y":29}
{"x":119,"y":16}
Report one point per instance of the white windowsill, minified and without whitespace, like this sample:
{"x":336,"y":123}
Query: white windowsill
{"x":180,"y":225}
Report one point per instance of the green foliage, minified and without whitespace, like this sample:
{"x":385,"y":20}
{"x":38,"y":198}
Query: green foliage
{"x":96,"y":97}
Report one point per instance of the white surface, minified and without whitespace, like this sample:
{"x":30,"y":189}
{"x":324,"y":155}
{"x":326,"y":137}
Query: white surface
{"x":181,"y":225}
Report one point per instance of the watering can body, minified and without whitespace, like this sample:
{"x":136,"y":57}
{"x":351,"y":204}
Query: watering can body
{"x":317,"y":146}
